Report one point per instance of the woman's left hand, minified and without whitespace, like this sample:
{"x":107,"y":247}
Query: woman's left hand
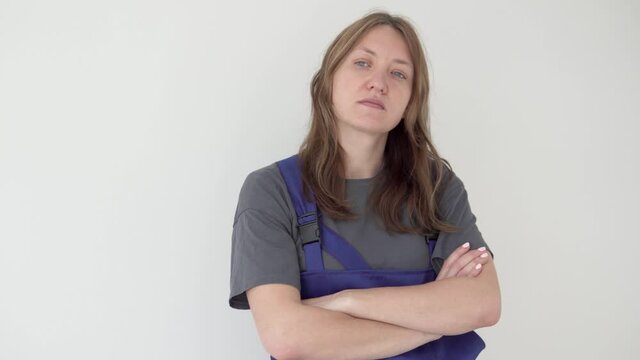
{"x":464,"y":262}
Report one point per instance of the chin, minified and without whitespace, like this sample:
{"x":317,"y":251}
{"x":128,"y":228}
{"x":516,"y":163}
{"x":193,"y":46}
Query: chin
{"x":371,"y":129}
{"x":374,"y":125}
{"x":370,"y":125}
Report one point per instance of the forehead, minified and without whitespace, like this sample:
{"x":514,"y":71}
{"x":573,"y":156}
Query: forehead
{"x":384,"y":41}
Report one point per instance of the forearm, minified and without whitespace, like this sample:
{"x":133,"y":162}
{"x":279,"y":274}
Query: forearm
{"x":450,"y":306}
{"x":316,"y":333}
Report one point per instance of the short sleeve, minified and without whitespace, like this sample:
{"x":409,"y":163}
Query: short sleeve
{"x":263,"y":247}
{"x":455,"y":210}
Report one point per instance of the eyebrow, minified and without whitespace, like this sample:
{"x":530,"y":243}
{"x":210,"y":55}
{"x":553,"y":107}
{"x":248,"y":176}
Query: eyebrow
{"x":399,"y":61}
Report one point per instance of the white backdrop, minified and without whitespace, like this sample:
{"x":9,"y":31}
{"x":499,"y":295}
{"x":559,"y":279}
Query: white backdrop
{"x":128,"y":127}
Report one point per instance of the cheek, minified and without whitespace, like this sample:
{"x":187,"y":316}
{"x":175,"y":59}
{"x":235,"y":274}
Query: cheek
{"x":406,"y":96}
{"x":339,"y":93}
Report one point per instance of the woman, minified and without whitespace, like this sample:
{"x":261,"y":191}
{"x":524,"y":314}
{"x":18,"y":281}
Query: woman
{"x":336,"y":249}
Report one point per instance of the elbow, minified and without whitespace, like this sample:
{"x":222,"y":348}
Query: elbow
{"x":490,"y":313}
{"x":282,"y":344}
{"x":490,"y":317}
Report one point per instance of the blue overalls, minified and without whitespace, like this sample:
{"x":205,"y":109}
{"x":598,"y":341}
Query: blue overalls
{"x":317,"y":281}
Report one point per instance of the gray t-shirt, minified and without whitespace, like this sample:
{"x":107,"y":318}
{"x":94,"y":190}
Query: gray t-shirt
{"x":266,"y":247}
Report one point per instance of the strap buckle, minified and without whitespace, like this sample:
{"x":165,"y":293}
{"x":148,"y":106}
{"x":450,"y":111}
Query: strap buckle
{"x":308,"y":227}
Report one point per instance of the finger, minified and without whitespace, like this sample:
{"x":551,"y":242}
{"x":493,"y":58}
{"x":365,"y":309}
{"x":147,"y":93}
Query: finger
{"x":455,"y":255}
{"x":466,"y":259}
{"x":461,"y":261}
{"x":484,"y":258}
{"x":474,"y":268}
{"x":477,"y":269}
{"x":470,"y":270}
{"x":445,"y":271}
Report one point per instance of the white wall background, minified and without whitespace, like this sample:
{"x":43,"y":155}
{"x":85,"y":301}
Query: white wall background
{"x":127,"y":128}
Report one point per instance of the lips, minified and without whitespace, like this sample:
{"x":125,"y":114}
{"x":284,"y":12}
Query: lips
{"x":371,"y":102}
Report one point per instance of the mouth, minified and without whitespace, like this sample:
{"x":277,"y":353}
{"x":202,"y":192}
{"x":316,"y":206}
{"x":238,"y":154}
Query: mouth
{"x":374,"y":103}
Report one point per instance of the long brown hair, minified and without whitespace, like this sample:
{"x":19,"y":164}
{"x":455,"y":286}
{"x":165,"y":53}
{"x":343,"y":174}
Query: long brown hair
{"x":411,"y":178}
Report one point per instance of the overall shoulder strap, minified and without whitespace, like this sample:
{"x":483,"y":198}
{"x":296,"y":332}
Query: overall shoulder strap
{"x":306,"y":213}
{"x":315,"y":235}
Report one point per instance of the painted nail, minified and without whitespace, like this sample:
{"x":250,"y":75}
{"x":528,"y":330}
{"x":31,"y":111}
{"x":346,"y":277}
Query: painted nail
{"x":465,"y":245}
{"x":482,"y":249}
{"x":478,"y":266}
{"x":484,"y":255}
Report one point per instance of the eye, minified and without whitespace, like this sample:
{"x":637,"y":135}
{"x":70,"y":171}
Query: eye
{"x":399,"y":75}
{"x":361,"y":63}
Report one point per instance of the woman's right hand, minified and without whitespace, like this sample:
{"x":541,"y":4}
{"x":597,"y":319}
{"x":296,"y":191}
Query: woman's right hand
{"x":464,"y":262}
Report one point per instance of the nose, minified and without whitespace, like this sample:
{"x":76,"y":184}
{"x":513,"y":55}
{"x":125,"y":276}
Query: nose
{"x":378,"y":83}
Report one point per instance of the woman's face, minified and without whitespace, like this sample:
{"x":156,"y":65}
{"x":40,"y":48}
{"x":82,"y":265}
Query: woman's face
{"x":372,"y":85}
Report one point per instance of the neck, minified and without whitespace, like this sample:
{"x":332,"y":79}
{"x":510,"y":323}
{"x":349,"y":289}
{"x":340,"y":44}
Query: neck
{"x":362,"y":153}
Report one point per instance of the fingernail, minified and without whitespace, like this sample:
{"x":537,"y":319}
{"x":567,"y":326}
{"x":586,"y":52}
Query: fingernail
{"x":484,"y":255}
{"x":465,"y":245}
{"x":482,"y":249}
{"x":478,"y":266}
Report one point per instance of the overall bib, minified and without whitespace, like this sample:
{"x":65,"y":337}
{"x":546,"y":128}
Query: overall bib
{"x":317,"y":281}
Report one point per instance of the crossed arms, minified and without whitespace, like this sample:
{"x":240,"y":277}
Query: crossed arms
{"x":379,"y":322}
